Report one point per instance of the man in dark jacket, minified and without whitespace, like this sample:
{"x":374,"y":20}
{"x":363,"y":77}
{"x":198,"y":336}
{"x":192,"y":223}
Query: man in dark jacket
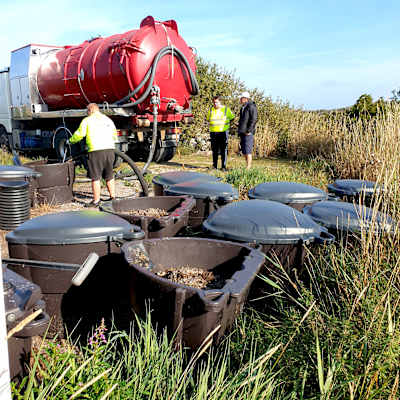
{"x":247,"y":126}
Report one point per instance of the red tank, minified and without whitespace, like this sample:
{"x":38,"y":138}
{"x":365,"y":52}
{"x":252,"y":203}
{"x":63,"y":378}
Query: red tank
{"x":108,"y":69}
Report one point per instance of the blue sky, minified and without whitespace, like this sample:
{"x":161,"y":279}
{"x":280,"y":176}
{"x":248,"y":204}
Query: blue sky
{"x":315,"y":54}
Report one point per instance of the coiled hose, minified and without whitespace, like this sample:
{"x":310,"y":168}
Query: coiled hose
{"x":150,"y":74}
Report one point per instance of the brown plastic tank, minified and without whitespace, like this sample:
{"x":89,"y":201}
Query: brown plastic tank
{"x":209,"y":197}
{"x":177,"y":207}
{"x":190,"y":313}
{"x":55,"y":184}
{"x":69,"y":238}
{"x":278,"y":229}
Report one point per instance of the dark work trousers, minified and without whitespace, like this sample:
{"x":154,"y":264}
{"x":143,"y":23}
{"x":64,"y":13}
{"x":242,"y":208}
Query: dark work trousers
{"x":219,"y":145}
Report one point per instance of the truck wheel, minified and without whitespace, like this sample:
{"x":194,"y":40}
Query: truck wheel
{"x":62,"y":150}
{"x":162,"y":154}
{"x":4,"y":143}
{"x":166,"y":154}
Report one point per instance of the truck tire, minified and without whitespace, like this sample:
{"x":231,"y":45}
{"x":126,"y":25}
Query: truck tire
{"x":59,"y":143}
{"x":164,"y":154}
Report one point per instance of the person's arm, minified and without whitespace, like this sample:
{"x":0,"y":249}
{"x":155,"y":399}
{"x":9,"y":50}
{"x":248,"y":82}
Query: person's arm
{"x":80,"y":133}
{"x":253,"y":115}
{"x":243,"y":123}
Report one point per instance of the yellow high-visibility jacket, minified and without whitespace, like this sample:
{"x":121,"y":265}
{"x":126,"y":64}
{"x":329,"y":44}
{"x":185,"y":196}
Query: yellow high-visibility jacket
{"x":99,"y":130}
{"x":220,"y":118}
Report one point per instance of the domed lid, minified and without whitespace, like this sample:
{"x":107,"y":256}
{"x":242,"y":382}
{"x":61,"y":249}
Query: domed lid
{"x":263,"y":222}
{"x":200,"y":189}
{"x":287,"y":192}
{"x":348,"y":216}
{"x":74,"y":227}
{"x":15,"y":172}
{"x":174,"y":177}
{"x":353,"y":187}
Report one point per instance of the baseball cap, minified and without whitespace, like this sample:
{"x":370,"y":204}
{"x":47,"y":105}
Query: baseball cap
{"x":245,"y":94}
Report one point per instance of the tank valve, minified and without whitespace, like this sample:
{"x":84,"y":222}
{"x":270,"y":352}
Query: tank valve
{"x":155,"y":96}
{"x":173,"y":105}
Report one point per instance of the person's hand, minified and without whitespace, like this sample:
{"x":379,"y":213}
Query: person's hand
{"x":248,"y":133}
{"x":67,"y":142}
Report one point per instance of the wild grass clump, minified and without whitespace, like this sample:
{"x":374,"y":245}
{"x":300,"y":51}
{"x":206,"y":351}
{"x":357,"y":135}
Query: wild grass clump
{"x":142,"y":365}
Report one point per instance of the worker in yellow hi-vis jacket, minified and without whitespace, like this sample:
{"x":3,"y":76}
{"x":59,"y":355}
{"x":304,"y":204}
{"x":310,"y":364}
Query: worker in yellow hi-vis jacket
{"x":219,"y":118}
{"x":101,"y":135}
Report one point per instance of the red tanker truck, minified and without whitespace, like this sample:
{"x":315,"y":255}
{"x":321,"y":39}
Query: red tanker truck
{"x":143,"y":79}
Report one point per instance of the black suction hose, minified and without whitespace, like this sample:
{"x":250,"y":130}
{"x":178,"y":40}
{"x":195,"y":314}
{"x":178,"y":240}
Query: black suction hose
{"x":150,"y":75}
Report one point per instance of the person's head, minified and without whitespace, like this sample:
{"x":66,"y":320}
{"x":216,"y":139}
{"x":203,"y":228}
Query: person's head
{"x":217,"y":102}
{"x":92,"y":108}
{"x":244,"y":97}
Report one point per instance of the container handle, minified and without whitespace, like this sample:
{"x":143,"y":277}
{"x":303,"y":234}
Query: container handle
{"x":85,"y":269}
{"x":324,"y":238}
{"x":35,"y":327}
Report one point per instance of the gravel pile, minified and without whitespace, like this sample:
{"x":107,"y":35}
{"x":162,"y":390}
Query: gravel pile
{"x":187,"y":275}
{"x":149,"y":212}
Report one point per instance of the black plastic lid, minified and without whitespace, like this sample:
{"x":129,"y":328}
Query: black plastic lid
{"x":287,"y":192}
{"x":74,"y":227}
{"x":263,"y":222}
{"x":202,"y":190}
{"x":348,"y":216}
{"x":15,"y":172}
{"x":353,"y":187}
{"x":174,"y":177}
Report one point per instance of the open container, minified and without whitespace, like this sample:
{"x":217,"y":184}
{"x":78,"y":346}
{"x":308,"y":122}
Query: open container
{"x":209,"y":196}
{"x":54,"y":186}
{"x":343,"y":219}
{"x":166,"y":179}
{"x":69,"y":238}
{"x":176,"y":207}
{"x":190,"y":313}
{"x":280,"y":230}
{"x":355,"y":190}
{"x":21,"y":298}
{"x":293,"y":194}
